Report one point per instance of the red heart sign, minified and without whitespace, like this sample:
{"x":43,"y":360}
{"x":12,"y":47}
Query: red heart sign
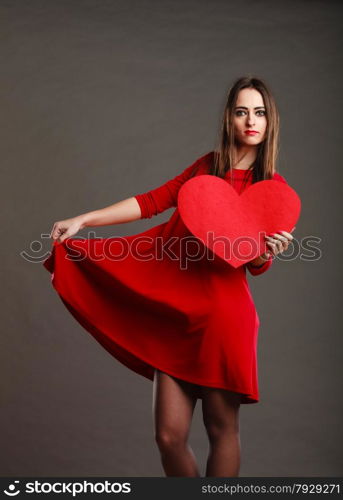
{"x":233,"y":226}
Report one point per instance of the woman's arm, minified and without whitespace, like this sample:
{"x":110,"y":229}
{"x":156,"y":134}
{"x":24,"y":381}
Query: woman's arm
{"x":123,"y":211}
{"x":158,"y":200}
{"x":143,"y":205}
{"x":139,"y":206}
{"x":259,"y":265}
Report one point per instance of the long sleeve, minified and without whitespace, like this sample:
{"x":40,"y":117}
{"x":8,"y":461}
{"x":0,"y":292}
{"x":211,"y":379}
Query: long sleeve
{"x":163,"y":197}
{"x":256,"y":270}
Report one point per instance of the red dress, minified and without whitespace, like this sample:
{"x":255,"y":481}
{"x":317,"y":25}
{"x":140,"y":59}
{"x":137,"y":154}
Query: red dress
{"x":192,"y":319}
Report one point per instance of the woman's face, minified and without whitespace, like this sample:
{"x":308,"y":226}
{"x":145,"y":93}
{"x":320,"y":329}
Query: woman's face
{"x":249,"y":114}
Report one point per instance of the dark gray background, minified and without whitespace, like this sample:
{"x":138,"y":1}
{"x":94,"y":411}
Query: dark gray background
{"x":101,"y":100}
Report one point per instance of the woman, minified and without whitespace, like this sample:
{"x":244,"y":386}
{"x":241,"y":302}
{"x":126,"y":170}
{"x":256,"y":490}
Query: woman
{"x":191,"y":329}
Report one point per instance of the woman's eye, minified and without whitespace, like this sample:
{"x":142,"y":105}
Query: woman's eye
{"x":238,"y":113}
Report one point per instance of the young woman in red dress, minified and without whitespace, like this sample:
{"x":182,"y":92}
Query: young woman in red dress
{"x":210,"y":353}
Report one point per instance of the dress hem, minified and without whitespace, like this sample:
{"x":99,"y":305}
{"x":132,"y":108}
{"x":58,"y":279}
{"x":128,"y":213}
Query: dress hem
{"x":122,"y":354}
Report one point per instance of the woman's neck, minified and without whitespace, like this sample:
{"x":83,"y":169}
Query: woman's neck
{"x":244,"y":157}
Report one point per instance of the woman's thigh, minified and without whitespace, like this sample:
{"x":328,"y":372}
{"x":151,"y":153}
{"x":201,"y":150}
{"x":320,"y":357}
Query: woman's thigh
{"x":174,"y":401}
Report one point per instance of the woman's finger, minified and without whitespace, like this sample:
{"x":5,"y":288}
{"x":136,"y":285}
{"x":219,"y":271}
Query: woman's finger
{"x":279,"y":236}
{"x":279,"y":245}
{"x":280,"y":241}
{"x":273,"y":247}
{"x":288,"y":235}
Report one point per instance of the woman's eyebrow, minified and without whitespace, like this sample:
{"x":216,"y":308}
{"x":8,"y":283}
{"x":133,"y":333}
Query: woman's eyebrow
{"x":244,"y":107}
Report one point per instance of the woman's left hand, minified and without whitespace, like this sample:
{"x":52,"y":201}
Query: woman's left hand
{"x":279,"y":241}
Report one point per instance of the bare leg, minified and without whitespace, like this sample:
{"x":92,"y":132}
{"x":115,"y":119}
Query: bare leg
{"x":173,"y":405}
{"x":221,"y":419}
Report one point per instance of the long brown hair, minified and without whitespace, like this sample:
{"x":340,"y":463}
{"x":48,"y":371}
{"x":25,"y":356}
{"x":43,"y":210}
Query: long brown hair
{"x":265,"y":163}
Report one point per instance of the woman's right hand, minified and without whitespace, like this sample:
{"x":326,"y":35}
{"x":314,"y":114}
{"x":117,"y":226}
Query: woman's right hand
{"x":65,"y":229}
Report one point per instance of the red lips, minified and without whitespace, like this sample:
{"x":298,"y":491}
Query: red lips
{"x":251,"y":132}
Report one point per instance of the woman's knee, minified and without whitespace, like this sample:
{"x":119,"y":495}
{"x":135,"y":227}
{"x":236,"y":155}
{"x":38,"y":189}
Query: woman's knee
{"x":169,"y":439}
{"x":173,"y":409}
{"x":224,"y":430}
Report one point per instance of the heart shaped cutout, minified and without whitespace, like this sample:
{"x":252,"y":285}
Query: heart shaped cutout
{"x":233,"y":226}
